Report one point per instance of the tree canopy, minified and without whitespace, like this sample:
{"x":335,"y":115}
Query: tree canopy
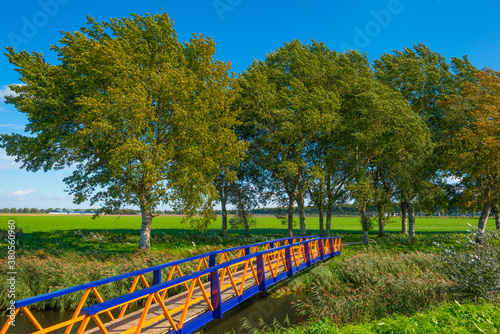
{"x":474,"y":114}
{"x":143,"y":119}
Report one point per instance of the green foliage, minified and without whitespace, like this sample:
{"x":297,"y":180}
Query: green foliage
{"x":473,"y":268}
{"x":239,"y":222}
{"x":288,"y":102}
{"x":473,"y":117}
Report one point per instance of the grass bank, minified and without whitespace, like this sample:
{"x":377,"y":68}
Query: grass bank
{"x":447,"y":318}
{"x":393,"y":284}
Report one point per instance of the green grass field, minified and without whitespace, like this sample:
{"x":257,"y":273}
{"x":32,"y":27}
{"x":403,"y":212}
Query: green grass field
{"x":265,"y":224}
{"x":109,"y":235}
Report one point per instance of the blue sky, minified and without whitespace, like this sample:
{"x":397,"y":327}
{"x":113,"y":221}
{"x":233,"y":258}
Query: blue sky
{"x":243,"y":30}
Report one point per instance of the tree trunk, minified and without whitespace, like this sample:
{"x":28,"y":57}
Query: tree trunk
{"x":329,"y":205}
{"x":328,"y":223}
{"x":411,"y":217}
{"x":404,"y":224}
{"x":223,"y":201}
{"x":145,"y":239}
{"x":380,"y":209}
{"x":483,"y":220}
{"x":247,"y":228}
{"x":321,"y":226}
{"x":302,"y":213}
{"x":366,"y":239}
{"x":497,"y":218}
{"x":290,"y":216}
{"x":222,"y":186}
{"x":364,"y":224}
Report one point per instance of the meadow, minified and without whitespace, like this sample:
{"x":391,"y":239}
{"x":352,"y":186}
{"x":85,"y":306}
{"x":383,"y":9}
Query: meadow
{"x":112,"y":235}
{"x":386,"y":287}
{"x":265,"y":224}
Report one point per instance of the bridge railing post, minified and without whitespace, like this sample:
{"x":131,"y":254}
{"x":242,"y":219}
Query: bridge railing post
{"x":332,"y":250}
{"x":288,"y":261}
{"x":261,"y":273}
{"x":321,"y":249}
{"x":211,"y":263}
{"x":215,"y":293}
{"x":157,"y":277}
{"x":307,"y":249}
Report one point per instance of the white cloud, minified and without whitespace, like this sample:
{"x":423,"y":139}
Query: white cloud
{"x":11,"y":125}
{"x":17,"y":196}
{"x":5,"y":91}
{"x":8,"y":162}
{"x":21,"y":193}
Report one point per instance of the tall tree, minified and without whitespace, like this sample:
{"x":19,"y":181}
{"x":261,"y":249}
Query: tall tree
{"x":243,"y":196}
{"x":287,"y":100}
{"x":222,"y":184}
{"x":475,"y":114}
{"x":143,"y":118}
{"x":367,"y":141}
{"x":423,"y":77}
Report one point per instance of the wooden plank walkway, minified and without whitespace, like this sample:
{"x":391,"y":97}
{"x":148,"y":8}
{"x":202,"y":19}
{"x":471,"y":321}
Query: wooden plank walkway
{"x":177,"y":302}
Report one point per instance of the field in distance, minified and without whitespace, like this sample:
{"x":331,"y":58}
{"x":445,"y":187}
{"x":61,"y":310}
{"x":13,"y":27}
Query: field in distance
{"x":265,"y":224}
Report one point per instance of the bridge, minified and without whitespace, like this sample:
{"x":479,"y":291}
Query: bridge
{"x":175,"y":302}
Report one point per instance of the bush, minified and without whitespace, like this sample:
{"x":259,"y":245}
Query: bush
{"x":473,"y":268}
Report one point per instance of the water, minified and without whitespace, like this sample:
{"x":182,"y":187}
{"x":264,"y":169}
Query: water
{"x":258,"y":307}
{"x":46,"y":318}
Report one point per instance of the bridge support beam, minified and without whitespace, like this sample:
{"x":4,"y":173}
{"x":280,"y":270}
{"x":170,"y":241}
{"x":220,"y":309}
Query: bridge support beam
{"x":288,"y":261}
{"x":307,"y":248}
{"x":261,"y":273}
{"x":321,"y":249}
{"x":157,"y":277}
{"x":211,"y":263}
{"x":216,"y":299}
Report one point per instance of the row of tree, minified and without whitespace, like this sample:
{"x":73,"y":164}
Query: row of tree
{"x":24,"y":210}
{"x":146,"y":120}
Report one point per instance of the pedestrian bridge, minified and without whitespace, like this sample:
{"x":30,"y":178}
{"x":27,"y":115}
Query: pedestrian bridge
{"x":173,"y":301}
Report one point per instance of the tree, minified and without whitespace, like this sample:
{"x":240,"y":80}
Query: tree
{"x":287,"y":100}
{"x":424,"y":78}
{"x":372,"y":120}
{"x":497,"y":218}
{"x":475,"y":114}
{"x":145,"y":119}
{"x":5,"y":210}
{"x":243,"y":196}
